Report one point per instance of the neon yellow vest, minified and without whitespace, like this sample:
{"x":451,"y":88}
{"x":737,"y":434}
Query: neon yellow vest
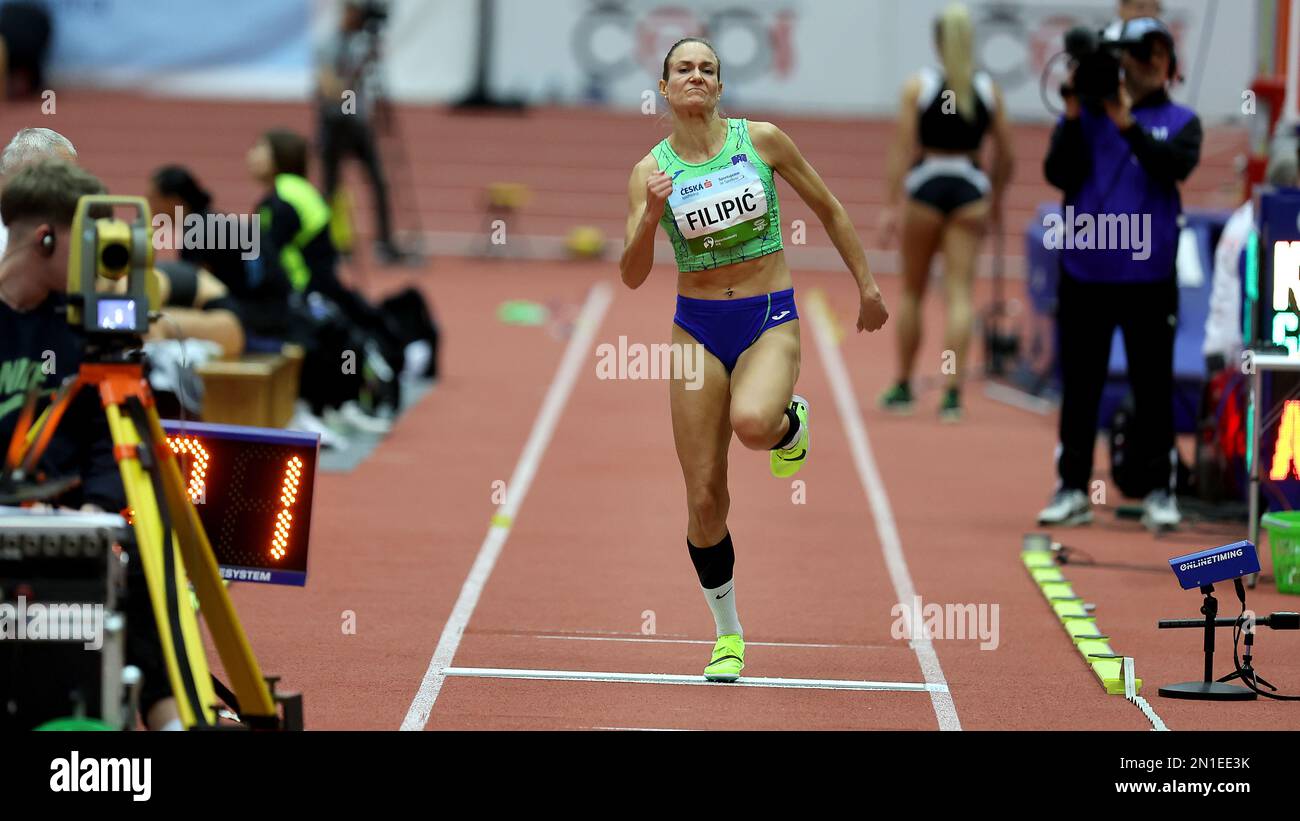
{"x":313,"y":217}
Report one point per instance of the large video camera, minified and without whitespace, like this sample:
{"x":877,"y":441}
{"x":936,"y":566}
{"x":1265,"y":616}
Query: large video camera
{"x":107,"y":249}
{"x":1095,"y":57}
{"x":1096,"y":67}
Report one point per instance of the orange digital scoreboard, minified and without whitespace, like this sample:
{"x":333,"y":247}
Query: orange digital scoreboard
{"x":253,"y":490}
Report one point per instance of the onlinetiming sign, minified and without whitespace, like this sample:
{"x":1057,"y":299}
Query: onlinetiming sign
{"x":1217,"y":564}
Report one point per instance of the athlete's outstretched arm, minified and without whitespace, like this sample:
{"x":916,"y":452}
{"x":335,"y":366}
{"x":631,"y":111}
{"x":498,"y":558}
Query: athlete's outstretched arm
{"x":781,"y":153}
{"x":647,"y":192}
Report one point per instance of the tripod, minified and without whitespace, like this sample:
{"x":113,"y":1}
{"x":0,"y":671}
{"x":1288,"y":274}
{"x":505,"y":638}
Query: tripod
{"x":389,"y":145}
{"x":1001,"y":347}
{"x":1207,"y":689}
{"x":1247,"y":673}
{"x":172,"y":544}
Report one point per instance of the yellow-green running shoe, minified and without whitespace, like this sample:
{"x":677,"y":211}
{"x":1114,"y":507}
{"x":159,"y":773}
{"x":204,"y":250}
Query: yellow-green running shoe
{"x":728,"y":659}
{"x":787,"y":461}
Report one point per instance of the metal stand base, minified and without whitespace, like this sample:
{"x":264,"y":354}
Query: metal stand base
{"x":1207,"y":691}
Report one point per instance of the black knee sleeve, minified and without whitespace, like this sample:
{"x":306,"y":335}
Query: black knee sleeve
{"x":713,"y":564}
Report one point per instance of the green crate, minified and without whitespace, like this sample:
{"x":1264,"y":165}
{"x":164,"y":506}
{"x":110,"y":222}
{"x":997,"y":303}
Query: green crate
{"x":1284,"y":540}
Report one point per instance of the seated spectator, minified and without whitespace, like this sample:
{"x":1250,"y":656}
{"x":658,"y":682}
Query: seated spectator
{"x":296,"y":249}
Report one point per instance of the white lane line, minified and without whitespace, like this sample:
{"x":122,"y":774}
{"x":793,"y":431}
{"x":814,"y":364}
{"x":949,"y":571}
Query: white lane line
{"x":1019,"y":399}
{"x":588,"y":322}
{"x":874,"y":487}
{"x":697,"y":641}
{"x":669,"y":678}
{"x":642,"y":729}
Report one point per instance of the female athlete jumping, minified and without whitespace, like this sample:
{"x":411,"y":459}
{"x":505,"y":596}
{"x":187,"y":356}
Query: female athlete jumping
{"x":710,"y":185}
{"x":950,"y":201}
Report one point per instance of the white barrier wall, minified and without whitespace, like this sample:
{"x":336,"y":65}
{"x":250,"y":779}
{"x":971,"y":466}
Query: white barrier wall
{"x":248,"y":48}
{"x":835,"y":56}
{"x":846,"y":57}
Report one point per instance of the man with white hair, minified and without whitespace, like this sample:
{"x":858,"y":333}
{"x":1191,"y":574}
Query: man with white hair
{"x":29,"y":145}
{"x":218,"y":324}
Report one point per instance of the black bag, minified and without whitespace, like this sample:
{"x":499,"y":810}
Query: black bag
{"x":325,"y":335}
{"x":1122,"y":468}
{"x":409,"y":318}
{"x":1125,"y":469}
{"x":333,"y":341}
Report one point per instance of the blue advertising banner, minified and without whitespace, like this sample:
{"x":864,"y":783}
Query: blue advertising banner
{"x":243,"y":47}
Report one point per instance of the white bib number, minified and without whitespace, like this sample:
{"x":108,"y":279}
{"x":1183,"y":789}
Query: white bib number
{"x":720,"y":210}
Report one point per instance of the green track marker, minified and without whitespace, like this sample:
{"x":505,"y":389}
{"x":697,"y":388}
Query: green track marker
{"x":522,"y":312}
{"x":1094,"y":646}
{"x":1058,"y":590}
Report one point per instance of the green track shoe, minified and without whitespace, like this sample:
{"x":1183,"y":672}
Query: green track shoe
{"x":898,"y":399}
{"x":787,"y":461}
{"x":728,"y":659}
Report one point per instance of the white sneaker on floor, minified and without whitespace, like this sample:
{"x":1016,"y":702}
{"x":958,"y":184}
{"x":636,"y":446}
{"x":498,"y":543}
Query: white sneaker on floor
{"x":1067,"y":508}
{"x":1160,"y":511}
{"x":351,"y":415}
{"x":417,"y":356}
{"x":306,"y":421}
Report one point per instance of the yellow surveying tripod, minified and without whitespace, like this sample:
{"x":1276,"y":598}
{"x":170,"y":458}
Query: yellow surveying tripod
{"x":171,"y":542}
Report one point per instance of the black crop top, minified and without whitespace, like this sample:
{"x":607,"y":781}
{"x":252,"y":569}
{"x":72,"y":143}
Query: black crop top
{"x":950,"y":131}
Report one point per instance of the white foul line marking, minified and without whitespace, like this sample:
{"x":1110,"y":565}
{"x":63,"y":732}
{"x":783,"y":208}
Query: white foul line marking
{"x":1130,"y":693}
{"x":589,"y":319}
{"x":874,"y":487}
{"x":710,"y":643}
{"x":643,"y":729}
{"x":669,"y":678}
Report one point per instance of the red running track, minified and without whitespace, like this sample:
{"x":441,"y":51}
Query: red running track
{"x":597,"y":541}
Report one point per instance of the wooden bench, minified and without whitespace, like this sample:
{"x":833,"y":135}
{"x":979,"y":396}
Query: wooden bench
{"x":256,"y":389}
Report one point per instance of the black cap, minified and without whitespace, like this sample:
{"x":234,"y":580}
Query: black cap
{"x":1140,"y":28}
{"x":1140,"y":31}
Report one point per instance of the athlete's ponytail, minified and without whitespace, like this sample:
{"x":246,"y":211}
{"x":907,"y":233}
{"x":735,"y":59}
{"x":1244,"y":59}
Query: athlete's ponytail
{"x":953,"y":33}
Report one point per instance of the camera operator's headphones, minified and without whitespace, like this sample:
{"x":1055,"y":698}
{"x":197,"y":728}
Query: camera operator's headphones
{"x":1136,"y":35}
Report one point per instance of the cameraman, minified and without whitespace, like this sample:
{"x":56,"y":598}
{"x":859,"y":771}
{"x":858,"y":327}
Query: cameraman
{"x":347,"y":63}
{"x":38,"y":345}
{"x":1123,"y":156}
